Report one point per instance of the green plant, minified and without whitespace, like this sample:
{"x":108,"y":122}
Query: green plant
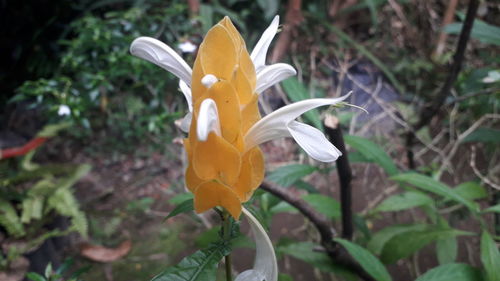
{"x":33,"y":194}
{"x":59,"y":273}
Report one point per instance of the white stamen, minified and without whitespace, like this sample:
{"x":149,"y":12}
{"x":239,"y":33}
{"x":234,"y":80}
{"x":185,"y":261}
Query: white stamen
{"x":208,"y":80}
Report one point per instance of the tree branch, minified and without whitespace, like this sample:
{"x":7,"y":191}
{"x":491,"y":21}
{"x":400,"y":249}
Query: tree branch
{"x":458,"y":58}
{"x":337,"y":253}
{"x":334,"y":133}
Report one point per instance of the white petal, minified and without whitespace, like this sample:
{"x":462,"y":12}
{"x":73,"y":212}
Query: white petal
{"x":273,"y":74}
{"x":314,"y":142}
{"x":185,"y":122}
{"x":275,"y":124}
{"x":265,"y":265}
{"x":208,"y":120}
{"x":208,"y":80}
{"x":162,"y":55}
{"x":259,"y":52}
{"x":187,"y":94}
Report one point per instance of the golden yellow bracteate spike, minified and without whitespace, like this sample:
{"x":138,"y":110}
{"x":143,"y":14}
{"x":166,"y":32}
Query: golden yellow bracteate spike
{"x":221,"y":171}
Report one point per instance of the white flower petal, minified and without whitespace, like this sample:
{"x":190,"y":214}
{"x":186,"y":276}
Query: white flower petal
{"x":314,"y":142}
{"x":185,"y":122}
{"x":273,"y":74}
{"x":63,"y":110}
{"x":187,"y":47}
{"x":162,"y":55}
{"x":208,"y":120}
{"x":187,"y":94}
{"x":265,"y":265}
{"x":259,"y":52}
{"x":208,"y":80}
{"x":275,"y":124}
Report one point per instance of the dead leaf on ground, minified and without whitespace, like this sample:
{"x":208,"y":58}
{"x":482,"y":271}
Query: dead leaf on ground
{"x":103,"y":254}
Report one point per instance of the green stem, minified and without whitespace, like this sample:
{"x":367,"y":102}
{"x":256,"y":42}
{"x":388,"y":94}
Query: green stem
{"x":226,"y":228}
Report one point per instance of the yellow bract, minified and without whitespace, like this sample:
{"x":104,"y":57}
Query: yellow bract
{"x":220,"y":171}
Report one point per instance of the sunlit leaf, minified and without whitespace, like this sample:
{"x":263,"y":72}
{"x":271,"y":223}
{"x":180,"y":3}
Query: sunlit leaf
{"x":495,"y":209}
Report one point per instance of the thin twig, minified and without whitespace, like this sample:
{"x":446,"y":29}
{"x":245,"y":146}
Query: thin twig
{"x":478,"y":173}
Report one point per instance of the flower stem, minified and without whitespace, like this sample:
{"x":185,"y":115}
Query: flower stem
{"x":226,"y":228}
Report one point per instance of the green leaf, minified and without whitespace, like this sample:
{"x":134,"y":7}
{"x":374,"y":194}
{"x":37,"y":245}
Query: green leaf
{"x":184,"y":207}
{"x":452,"y":272}
{"x":52,"y":130}
{"x":304,"y":251}
{"x":436,"y":187}
{"x":289,"y":174}
{"x":446,"y":250}
{"x":297,"y":92}
{"x":324,"y":204}
{"x":10,"y":220}
{"x":181,"y":197}
{"x":283,"y":207}
{"x":368,"y":261}
{"x":35,"y":276}
{"x":404,"y":201}
{"x":284,"y":277}
{"x":405,"y":244}
{"x":481,"y":30}
{"x":373,"y":153}
{"x":378,"y":241}
{"x":200,"y":266}
{"x":495,"y":209}
{"x":483,"y":135}
{"x":471,"y":190}
{"x":490,"y":257}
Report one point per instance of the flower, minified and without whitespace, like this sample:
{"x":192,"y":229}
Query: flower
{"x":224,"y":124}
{"x":63,"y":110}
{"x":187,"y":47}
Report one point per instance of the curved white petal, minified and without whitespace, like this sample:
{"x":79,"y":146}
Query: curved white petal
{"x":265,"y":265}
{"x":314,"y":142}
{"x":162,"y":55}
{"x":273,"y":74}
{"x":259,"y":52}
{"x":186,"y":91}
{"x":185,"y":122}
{"x":208,"y":120}
{"x":275,"y":124}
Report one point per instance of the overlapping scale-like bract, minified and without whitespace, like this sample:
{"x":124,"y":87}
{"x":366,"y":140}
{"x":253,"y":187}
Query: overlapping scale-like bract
{"x":221,"y":171}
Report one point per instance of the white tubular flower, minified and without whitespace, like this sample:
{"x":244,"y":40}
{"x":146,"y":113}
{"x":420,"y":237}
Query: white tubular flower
{"x":280,"y":123}
{"x":63,"y":110}
{"x":268,"y":76}
{"x":163,"y":56}
{"x":265,"y":264}
{"x":208,"y":120}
